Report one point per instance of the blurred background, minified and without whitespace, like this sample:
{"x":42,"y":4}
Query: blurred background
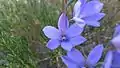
{"x":22,"y":42}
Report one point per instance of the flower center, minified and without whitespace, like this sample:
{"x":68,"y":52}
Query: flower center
{"x":64,"y":38}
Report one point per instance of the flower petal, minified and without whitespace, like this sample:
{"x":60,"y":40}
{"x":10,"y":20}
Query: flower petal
{"x":76,"y":11}
{"x":51,"y":32}
{"x":95,"y":55}
{"x":93,"y":23}
{"x":77,"y":7}
{"x":77,"y":40}
{"x":108,"y":60}
{"x":69,"y":62}
{"x":83,"y":1}
{"x":116,"y":41}
{"x":67,"y":46}
{"x":53,"y":44}
{"x":63,"y":22}
{"x":95,"y":17}
{"x":115,"y":61}
{"x":81,"y":24}
{"x":91,"y":8}
{"x":76,"y":19}
{"x":76,"y":56}
{"x":74,"y":30}
{"x":117,"y":31}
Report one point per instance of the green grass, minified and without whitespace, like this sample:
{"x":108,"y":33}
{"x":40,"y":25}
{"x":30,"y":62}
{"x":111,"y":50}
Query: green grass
{"x":21,"y":24}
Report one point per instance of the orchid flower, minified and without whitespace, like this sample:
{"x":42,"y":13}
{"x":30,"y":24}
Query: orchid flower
{"x":75,"y":59}
{"x":85,"y":12}
{"x":67,"y":37}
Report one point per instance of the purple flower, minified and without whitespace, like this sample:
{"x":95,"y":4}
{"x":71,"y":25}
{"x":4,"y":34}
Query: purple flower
{"x":112,"y":59}
{"x":116,"y":37}
{"x":116,"y":42}
{"x":88,"y":13}
{"x":75,"y":59}
{"x":117,"y":30}
{"x":108,"y":60}
{"x":66,"y":36}
{"x":115,"y":59}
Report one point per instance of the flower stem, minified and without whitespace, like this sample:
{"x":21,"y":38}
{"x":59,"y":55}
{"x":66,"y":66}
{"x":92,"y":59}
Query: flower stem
{"x":58,"y":62}
{"x":64,"y":3}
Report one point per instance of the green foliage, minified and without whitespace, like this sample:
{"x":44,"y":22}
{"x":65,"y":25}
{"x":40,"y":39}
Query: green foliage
{"x":21,"y":24}
{"x":16,"y":52}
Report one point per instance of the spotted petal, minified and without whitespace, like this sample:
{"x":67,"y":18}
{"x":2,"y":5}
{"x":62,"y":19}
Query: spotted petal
{"x":95,"y":55}
{"x":51,"y":32}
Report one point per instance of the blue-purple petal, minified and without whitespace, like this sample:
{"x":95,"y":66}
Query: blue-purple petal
{"x":95,"y":17}
{"x":83,"y":1}
{"x":76,"y":56}
{"x":76,"y":11}
{"x":63,"y":22}
{"x":91,"y":8}
{"x":77,"y":40}
{"x":51,"y":32}
{"x":77,"y":19}
{"x":115,"y":59}
{"x":93,"y":23}
{"x":74,"y":30}
{"x":69,"y":63}
{"x":108,"y":60}
{"x":81,"y":24}
{"x":67,"y":45}
{"x":117,"y":30}
{"x":95,"y":55}
{"x":53,"y":44}
{"x":116,"y":41}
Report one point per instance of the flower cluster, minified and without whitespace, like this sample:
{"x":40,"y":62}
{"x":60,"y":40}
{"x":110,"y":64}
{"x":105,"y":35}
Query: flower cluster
{"x":68,"y":36}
